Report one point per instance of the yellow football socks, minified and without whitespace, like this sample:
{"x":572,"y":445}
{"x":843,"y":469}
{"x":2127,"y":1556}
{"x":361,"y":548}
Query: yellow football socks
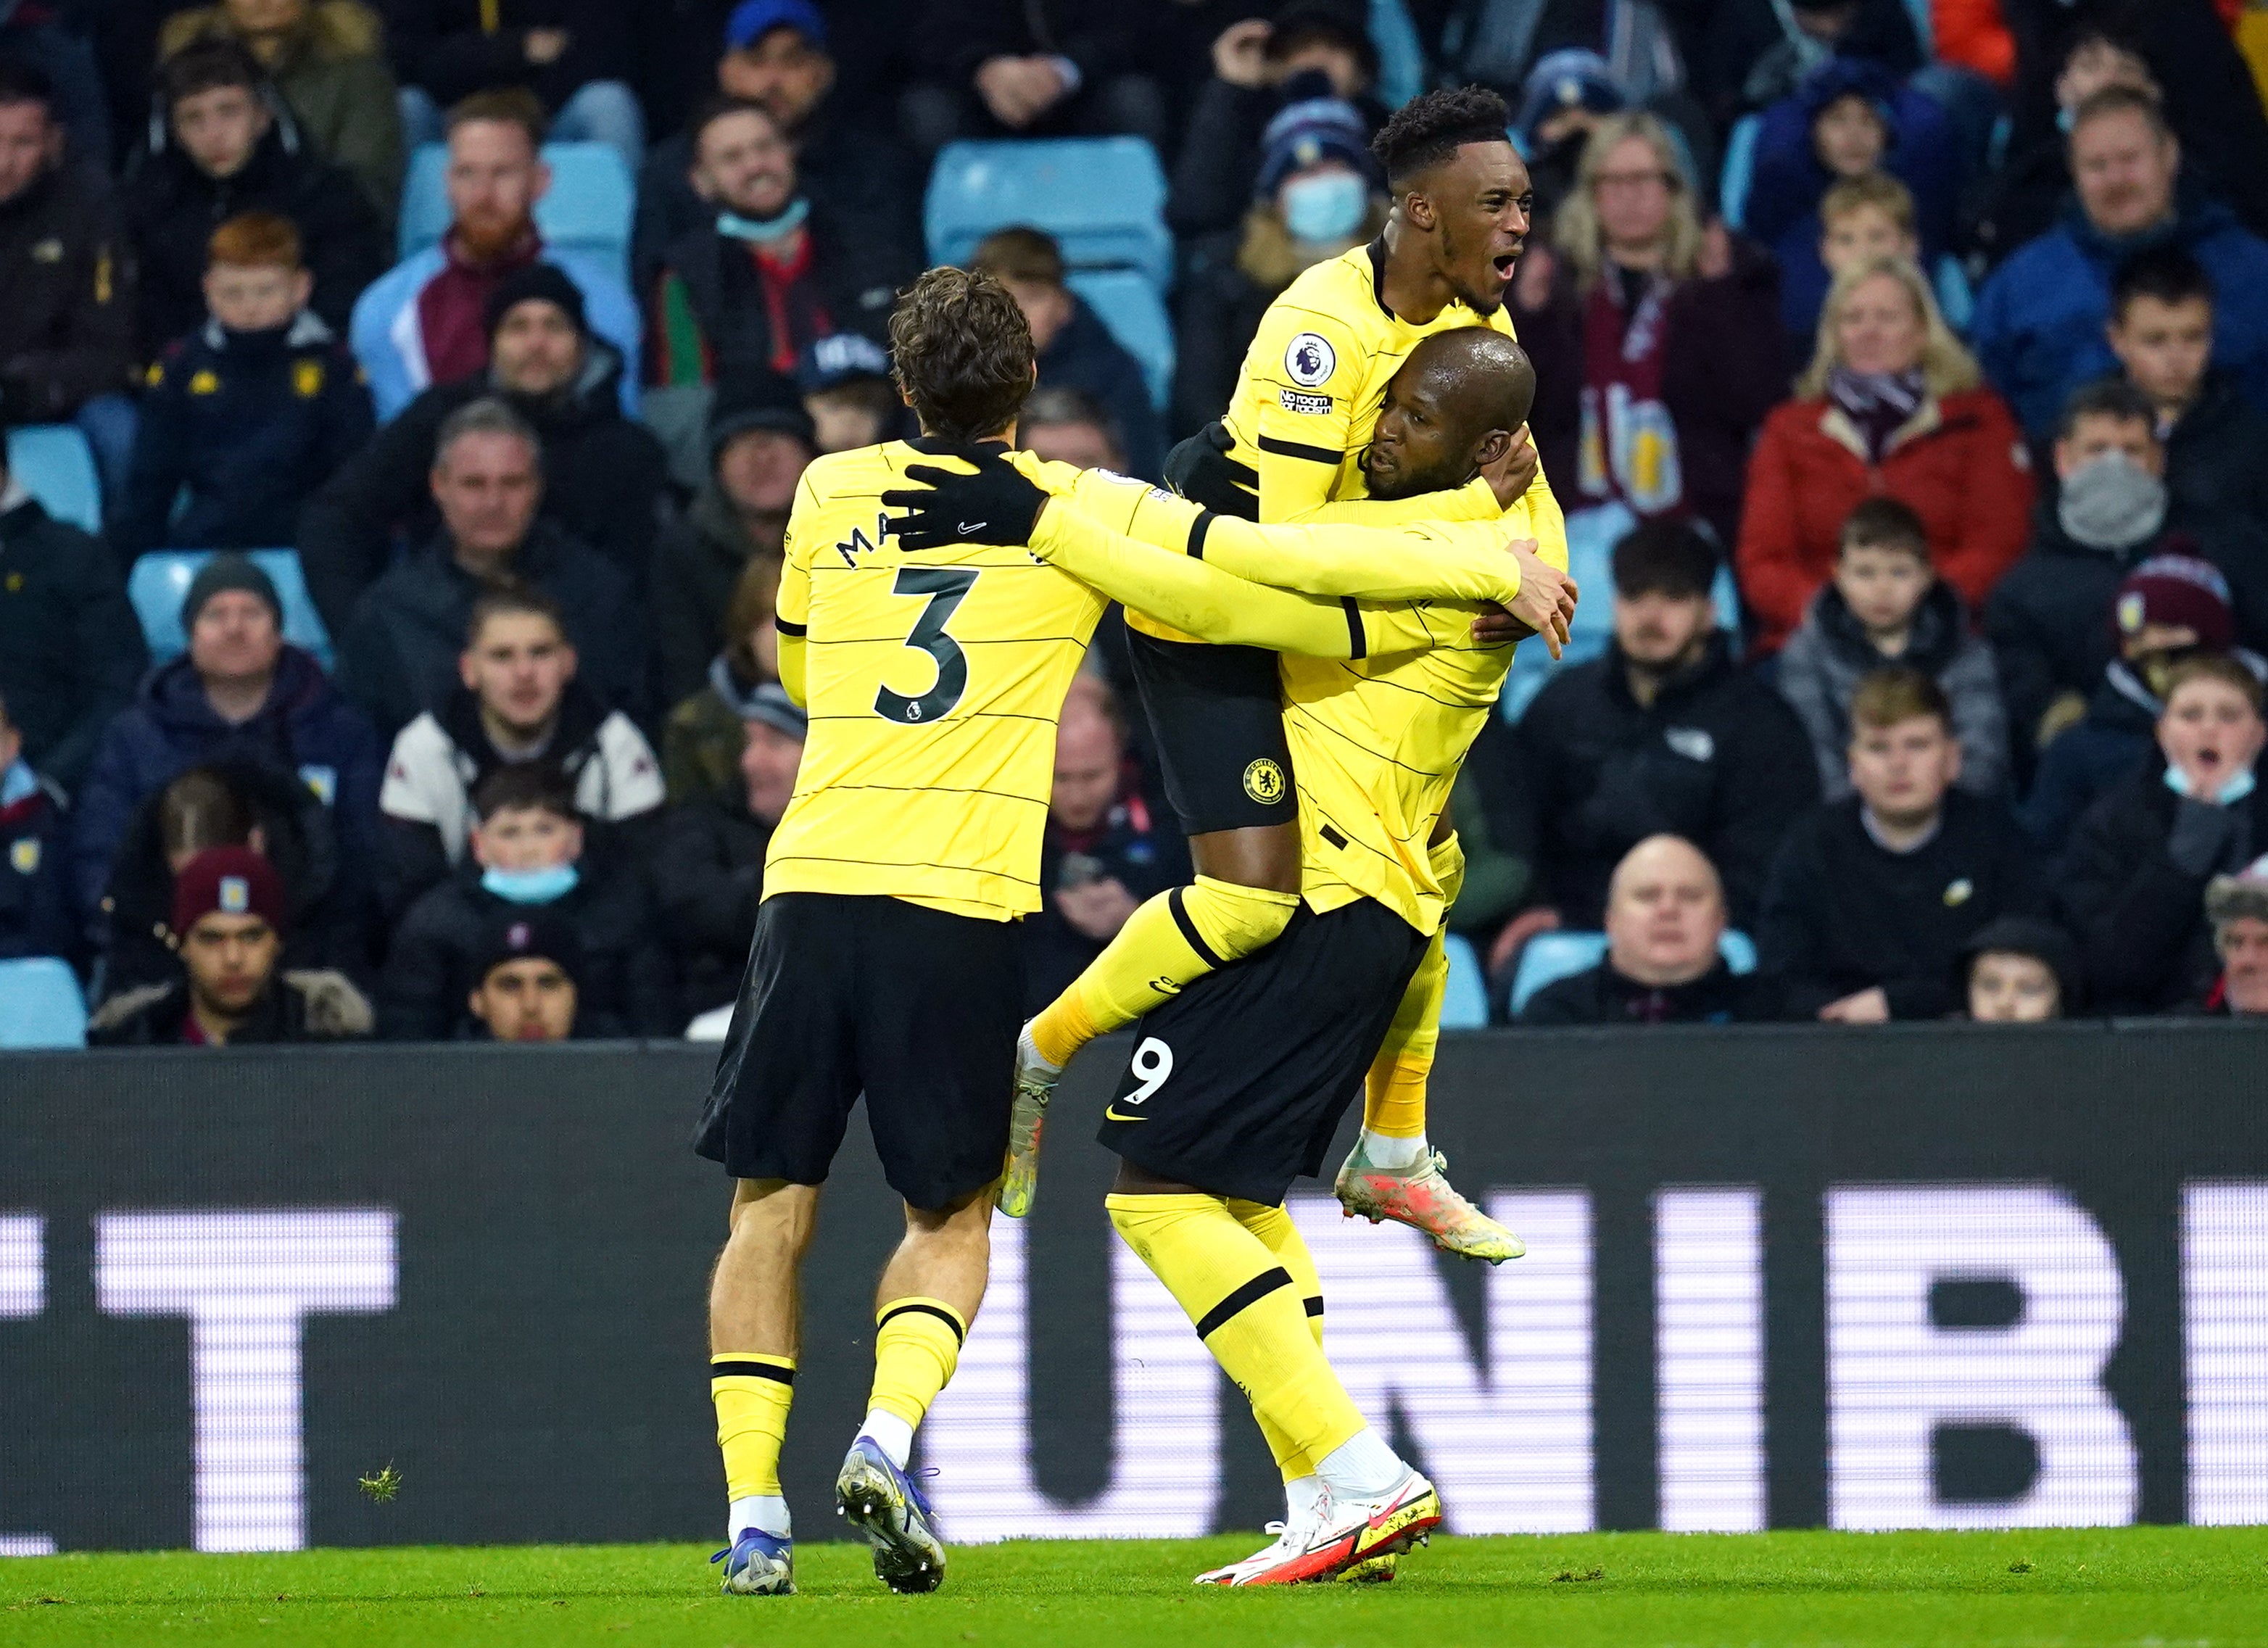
{"x":1249,"y":1311}
{"x":1281,"y":1237}
{"x":1394,"y":1100}
{"x":752,"y":1393}
{"x":917,"y":1344}
{"x":1173,"y":940}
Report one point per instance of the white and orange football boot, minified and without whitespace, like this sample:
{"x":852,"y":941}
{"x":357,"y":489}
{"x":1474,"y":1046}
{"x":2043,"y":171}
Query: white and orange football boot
{"x":1344,"y":1536}
{"x":1423,"y":1198}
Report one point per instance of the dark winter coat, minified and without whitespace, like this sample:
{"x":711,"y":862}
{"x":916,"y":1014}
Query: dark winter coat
{"x":71,"y":648}
{"x":445,"y":46}
{"x":1743,"y":58}
{"x":697,"y":561}
{"x":851,"y":172}
{"x":251,"y":424}
{"x":624,"y":988}
{"x":707,"y":874}
{"x":1724,"y":366}
{"x":953,"y":37}
{"x":2038,"y":326}
{"x":1825,"y":660}
{"x":66,"y":297}
{"x":304,"y":728}
{"x":1842,"y":914}
{"x":858,"y":264}
{"x":1600,"y":995}
{"x":1719,"y":758}
{"x":2214,"y":455}
{"x":603,"y":480}
{"x":400,"y":652}
{"x":35,"y":901}
{"x":2139,"y":916}
{"x":1085,"y":357}
{"x":2049,"y":620}
{"x":298,"y":1006}
{"x":1138,"y":846}
{"x":172,"y":208}
{"x":328,"y":918}
{"x":2115,"y":739}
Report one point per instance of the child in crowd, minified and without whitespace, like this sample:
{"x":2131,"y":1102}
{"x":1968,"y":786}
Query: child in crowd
{"x":35,"y":916}
{"x":847,"y":389}
{"x":1886,"y":605}
{"x":1860,"y":219}
{"x":2020,"y":969}
{"x":2161,"y":329}
{"x":250,"y":414}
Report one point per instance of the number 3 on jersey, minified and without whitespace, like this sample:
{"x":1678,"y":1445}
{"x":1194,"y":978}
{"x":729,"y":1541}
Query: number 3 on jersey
{"x":946,"y":588}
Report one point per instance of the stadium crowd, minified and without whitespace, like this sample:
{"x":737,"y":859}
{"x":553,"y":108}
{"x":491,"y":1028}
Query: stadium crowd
{"x":1904,"y":375}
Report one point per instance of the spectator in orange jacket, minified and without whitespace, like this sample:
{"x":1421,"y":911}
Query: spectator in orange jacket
{"x":1974,"y":34}
{"x":1892,"y":404}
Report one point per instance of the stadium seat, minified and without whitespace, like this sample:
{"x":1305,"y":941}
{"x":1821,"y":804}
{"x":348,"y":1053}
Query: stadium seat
{"x":1550,"y":957}
{"x":587,"y":208}
{"x":1465,"y":1004}
{"x":161,"y":578}
{"x":1924,"y":27}
{"x":56,"y":467}
{"x":1956,"y":299}
{"x":1739,"y":171}
{"x":1401,"y":55}
{"x":1130,"y":306}
{"x":40,"y":1005}
{"x":1102,"y":198}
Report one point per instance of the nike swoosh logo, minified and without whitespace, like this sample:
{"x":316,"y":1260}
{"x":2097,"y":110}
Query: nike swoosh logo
{"x":1111,"y":1114}
{"x":968,"y":527}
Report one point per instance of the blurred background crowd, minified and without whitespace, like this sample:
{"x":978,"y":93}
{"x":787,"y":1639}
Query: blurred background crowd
{"x":405,"y":399}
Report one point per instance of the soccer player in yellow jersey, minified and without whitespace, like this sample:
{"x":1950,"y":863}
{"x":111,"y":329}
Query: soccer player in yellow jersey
{"x":1292,"y":448}
{"x":1236,"y":1083}
{"x":885,"y":958}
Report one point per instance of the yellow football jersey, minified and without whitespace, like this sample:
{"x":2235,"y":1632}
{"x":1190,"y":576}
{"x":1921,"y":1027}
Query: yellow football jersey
{"x":933,"y":683}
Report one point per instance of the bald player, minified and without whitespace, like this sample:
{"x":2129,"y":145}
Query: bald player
{"x":1237,"y":1080}
{"x":1294,"y":447}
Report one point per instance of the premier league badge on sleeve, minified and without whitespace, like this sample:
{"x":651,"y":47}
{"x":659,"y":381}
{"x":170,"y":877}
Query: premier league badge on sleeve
{"x":1309,"y":360}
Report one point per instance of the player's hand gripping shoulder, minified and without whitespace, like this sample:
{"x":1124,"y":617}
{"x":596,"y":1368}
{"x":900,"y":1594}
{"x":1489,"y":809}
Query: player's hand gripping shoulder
{"x":1544,"y":605}
{"x":995,"y":504}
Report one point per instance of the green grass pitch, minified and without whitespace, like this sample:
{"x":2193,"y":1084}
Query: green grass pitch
{"x":2154,"y":1587}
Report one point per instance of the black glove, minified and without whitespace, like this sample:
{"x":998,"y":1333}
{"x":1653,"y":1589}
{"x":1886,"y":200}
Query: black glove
{"x":995,"y":506}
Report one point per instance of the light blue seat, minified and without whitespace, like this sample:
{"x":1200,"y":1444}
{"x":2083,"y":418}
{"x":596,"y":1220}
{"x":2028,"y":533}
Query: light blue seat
{"x":1130,"y":307}
{"x":1103,"y":199}
{"x":1550,"y":957}
{"x":56,"y":467}
{"x":1957,"y":300}
{"x":588,"y":207}
{"x":1740,"y":170}
{"x":40,"y":1005}
{"x":1924,"y":26}
{"x":1401,"y":57}
{"x":1464,"y":1005}
{"x":161,"y":578}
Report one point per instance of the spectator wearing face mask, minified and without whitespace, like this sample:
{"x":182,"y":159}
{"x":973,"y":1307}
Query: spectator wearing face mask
{"x":1665,"y":914}
{"x":2049,"y":619}
{"x":233,"y":990}
{"x":2039,"y":321}
{"x":1850,"y":119}
{"x":1075,"y":350}
{"x":1872,"y":899}
{"x":2237,"y":907}
{"x":1886,"y":605}
{"x":2022,"y":969}
{"x":519,"y":702}
{"x":35,"y":902}
{"x":2169,"y":608}
{"x":709,"y":864}
{"x":527,"y":857}
{"x":2161,"y":329}
{"x":759,"y":441}
{"x":2133,"y":880}
{"x":528,"y":967}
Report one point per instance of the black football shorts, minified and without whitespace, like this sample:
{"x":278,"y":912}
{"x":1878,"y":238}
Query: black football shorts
{"x":1236,"y":1085}
{"x":1216,"y":716}
{"x":916,"y":1008}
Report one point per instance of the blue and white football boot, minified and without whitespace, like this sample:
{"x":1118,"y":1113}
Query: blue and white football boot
{"x":890,"y":1513}
{"x":758,"y":1564}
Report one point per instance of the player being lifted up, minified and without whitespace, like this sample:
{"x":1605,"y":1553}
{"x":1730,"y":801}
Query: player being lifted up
{"x":884,"y":959}
{"x":1292,"y":449}
{"x":1237,"y":1083}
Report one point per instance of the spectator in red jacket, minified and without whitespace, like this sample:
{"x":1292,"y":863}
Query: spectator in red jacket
{"x":1656,"y":340}
{"x":1892,"y":404}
